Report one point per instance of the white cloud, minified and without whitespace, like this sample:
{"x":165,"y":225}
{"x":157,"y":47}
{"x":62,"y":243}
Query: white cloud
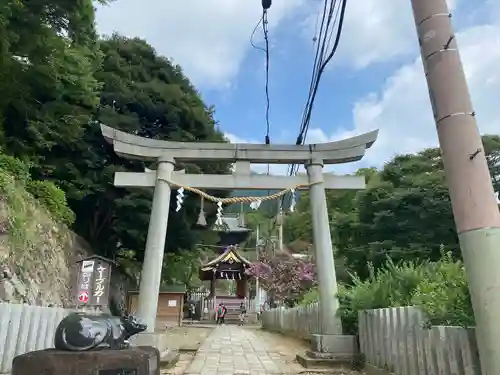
{"x":207,"y":38}
{"x":402,"y":111}
{"x":259,"y":168}
{"x":313,"y":136}
{"x":374,"y":31}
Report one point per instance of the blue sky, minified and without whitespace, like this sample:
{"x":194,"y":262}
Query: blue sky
{"x":375,"y":80}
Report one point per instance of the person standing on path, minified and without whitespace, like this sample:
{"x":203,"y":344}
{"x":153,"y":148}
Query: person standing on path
{"x":220,"y":314}
{"x":243,"y":311}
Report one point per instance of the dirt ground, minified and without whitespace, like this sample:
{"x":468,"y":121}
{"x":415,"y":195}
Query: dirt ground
{"x":187,"y":338}
{"x":289,"y":347}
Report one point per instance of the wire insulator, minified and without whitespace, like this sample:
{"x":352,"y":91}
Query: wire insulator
{"x":266,"y":4}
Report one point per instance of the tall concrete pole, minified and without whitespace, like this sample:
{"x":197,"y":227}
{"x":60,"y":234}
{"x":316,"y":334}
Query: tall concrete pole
{"x":325,"y":266}
{"x":280,"y":232}
{"x":155,"y":246}
{"x":476,"y":213}
{"x":257,"y":286}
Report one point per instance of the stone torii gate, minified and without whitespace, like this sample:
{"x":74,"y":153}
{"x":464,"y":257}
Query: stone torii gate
{"x":166,"y":154}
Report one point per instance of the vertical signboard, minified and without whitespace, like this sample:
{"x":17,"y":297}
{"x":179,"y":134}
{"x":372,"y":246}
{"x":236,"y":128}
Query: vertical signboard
{"x":100,"y":290}
{"x":93,"y":282}
{"x":84,"y":286}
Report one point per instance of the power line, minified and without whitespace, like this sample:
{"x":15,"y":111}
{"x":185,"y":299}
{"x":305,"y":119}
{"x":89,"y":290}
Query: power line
{"x":323,"y":63}
{"x":253,"y":34}
{"x":266,"y":4}
{"x":331,"y":12}
{"x":266,"y":39}
{"x":263,"y":21}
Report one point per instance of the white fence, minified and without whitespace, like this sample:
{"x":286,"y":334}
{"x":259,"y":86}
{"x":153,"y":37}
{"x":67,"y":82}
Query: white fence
{"x":24,"y":328}
{"x":299,"y":321}
{"x":393,"y":339}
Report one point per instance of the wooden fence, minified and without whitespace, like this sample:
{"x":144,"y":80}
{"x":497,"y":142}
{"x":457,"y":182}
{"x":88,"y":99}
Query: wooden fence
{"x":394,"y":339}
{"x":24,"y":328}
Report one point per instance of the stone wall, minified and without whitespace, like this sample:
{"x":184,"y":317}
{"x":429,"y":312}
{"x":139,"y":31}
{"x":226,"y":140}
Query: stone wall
{"x":38,"y":259}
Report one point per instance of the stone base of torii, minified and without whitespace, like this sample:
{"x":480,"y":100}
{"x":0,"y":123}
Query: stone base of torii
{"x":329,"y":341}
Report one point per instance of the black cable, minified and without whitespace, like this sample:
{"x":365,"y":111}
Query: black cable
{"x":266,"y":39}
{"x":317,"y":61}
{"x":316,"y":75}
{"x":263,"y":20}
{"x":253,"y":34}
{"x":316,"y":78}
{"x":322,"y":68}
{"x":318,"y":58}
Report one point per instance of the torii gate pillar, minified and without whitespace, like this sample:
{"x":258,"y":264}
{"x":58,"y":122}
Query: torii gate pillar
{"x":155,"y":244}
{"x":330,"y":323}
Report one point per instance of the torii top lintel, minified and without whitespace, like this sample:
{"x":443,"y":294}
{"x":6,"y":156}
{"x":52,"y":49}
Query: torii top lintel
{"x":134,"y":147}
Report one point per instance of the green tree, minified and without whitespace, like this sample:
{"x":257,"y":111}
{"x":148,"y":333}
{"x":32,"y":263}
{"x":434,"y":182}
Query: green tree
{"x":404,"y":213}
{"x":48,"y":59}
{"x":145,"y":94}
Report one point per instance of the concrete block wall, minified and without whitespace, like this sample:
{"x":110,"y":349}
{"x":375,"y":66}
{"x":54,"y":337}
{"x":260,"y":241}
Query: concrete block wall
{"x":395,"y":340}
{"x":25,"y":328}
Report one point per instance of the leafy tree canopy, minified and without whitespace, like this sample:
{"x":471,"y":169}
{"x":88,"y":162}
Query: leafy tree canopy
{"x":404,"y":213}
{"x":59,"y":81}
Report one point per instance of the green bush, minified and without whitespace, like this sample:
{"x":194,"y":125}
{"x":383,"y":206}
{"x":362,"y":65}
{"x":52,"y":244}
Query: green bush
{"x":444,"y":296}
{"x":15,"y":167}
{"x":438,"y":288}
{"x":53,"y":199}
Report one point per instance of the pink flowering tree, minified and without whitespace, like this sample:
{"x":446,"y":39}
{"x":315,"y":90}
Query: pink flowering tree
{"x":283,"y":276}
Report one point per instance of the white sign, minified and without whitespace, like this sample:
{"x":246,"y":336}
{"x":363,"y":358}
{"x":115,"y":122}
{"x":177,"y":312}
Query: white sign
{"x":172,"y":303}
{"x":99,"y":284}
{"x":87,"y":266}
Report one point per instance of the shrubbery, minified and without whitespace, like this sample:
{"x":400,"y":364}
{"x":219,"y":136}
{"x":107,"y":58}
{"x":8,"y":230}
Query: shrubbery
{"x":438,"y":288}
{"x":52,"y":198}
{"x":15,"y":167}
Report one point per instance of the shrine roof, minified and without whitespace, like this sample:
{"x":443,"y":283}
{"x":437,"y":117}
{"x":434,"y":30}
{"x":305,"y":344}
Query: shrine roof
{"x":230,"y":255}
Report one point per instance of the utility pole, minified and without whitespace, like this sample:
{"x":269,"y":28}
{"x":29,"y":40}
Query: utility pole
{"x":257,"y":286}
{"x":280,"y":230}
{"x":475,"y":210}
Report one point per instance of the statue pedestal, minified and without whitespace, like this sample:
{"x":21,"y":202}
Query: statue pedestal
{"x":133,"y":361}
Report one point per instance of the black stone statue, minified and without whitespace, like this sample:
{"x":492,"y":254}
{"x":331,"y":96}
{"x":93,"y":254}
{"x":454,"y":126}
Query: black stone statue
{"x":81,"y":332}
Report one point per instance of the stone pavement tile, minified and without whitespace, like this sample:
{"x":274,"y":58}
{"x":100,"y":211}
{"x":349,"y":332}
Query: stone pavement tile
{"x":234,"y":350}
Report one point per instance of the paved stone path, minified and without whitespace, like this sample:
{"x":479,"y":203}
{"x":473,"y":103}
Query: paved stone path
{"x":233,"y":350}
